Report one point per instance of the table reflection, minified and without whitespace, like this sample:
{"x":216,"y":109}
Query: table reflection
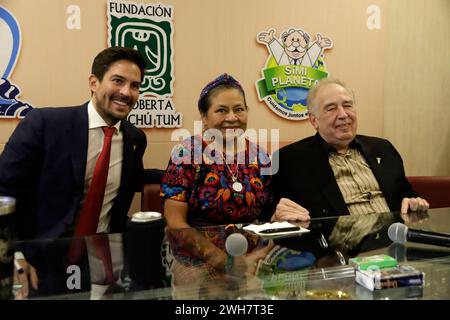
{"x":194,"y":263}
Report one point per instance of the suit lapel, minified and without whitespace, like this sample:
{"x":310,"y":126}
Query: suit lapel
{"x":78,"y":142}
{"x":128,"y":152}
{"x":374,"y":160}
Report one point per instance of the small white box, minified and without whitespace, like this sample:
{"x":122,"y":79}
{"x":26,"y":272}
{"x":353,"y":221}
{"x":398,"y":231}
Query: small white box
{"x":400,"y":276}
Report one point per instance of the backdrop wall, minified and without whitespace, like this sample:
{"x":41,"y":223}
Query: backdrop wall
{"x":399,"y":71}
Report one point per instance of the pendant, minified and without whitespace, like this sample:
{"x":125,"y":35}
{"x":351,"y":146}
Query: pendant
{"x":237,"y":186}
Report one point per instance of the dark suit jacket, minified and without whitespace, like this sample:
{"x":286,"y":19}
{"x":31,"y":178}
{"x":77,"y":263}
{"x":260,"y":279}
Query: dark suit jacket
{"x":43,"y":166}
{"x":306,"y":177}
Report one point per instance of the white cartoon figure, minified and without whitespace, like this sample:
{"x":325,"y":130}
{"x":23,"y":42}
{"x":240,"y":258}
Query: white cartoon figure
{"x":296,"y":48}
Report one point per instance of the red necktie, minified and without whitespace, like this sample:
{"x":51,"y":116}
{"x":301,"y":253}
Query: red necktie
{"x":90,"y":213}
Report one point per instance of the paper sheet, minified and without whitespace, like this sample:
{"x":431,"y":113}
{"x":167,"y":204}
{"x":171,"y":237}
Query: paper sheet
{"x":257,"y":228}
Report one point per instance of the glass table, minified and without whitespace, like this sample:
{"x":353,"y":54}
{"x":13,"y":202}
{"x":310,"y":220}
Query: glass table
{"x":149,"y":262}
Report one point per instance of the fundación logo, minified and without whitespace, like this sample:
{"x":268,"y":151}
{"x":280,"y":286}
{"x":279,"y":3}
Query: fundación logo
{"x":149,"y":29}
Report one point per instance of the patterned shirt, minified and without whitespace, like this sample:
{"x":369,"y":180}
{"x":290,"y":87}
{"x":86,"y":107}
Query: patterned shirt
{"x":357,"y":183}
{"x":197,"y":176}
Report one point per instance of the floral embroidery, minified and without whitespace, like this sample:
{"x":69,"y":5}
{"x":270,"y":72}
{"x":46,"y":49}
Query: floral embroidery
{"x":207,"y":187}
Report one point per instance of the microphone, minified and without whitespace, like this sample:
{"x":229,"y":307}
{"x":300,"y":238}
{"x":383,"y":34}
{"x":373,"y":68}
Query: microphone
{"x":403,"y":254}
{"x":398,"y":232}
{"x":236,"y":245}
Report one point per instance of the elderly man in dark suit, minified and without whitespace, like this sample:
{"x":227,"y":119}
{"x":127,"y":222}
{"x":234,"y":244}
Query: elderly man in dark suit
{"x":336,"y":171}
{"x":49,"y":163}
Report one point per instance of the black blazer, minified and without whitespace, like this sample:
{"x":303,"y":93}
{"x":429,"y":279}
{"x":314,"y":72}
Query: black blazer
{"x":306,"y":177}
{"x":43,"y":166}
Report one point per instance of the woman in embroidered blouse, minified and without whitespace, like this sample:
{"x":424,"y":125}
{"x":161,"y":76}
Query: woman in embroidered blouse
{"x":217,"y":178}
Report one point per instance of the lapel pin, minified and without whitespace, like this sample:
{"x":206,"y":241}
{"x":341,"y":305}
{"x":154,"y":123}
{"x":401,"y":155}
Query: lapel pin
{"x":378,"y":160}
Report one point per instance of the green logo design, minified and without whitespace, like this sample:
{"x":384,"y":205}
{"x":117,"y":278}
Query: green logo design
{"x":294,"y":65}
{"x":148,"y":28}
{"x":152,"y":40}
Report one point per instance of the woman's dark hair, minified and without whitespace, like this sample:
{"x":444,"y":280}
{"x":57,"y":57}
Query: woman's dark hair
{"x":107,"y":57}
{"x":224,"y":81}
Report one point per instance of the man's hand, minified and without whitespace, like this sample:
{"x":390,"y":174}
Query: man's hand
{"x":24,"y":273}
{"x":414,"y":204}
{"x":288,"y":210}
{"x":415,"y":217}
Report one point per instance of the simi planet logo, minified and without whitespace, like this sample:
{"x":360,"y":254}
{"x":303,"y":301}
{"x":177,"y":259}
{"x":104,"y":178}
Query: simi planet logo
{"x":294,"y":65}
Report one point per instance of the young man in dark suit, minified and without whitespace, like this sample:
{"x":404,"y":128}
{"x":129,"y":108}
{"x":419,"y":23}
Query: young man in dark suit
{"x":49,"y":161}
{"x":336,"y":171}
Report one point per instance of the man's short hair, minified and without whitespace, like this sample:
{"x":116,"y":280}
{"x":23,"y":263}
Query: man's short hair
{"x":108,"y":56}
{"x":310,"y":100}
